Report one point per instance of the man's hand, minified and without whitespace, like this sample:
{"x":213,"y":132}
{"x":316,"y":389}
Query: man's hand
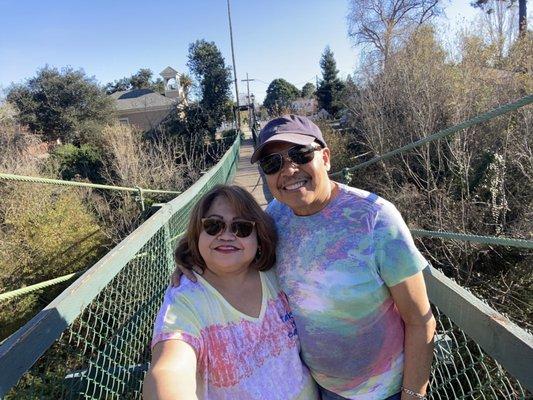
{"x":181,"y":270}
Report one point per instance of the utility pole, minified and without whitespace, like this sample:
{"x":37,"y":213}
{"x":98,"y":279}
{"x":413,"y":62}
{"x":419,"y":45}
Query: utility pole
{"x":234,"y":70}
{"x":247,"y":80}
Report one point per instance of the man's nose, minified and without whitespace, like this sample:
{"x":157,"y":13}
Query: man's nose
{"x":288,"y":166}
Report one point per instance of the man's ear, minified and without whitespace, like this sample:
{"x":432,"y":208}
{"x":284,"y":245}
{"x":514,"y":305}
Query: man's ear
{"x":326,"y":158}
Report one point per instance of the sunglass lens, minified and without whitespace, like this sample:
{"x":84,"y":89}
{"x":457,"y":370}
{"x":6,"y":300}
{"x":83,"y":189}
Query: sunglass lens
{"x":301,"y":154}
{"x":271,"y":164}
{"x":242,"y":229}
{"x":213,"y":226}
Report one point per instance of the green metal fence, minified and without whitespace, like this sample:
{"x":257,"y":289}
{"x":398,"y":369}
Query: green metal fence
{"x":92,"y":342}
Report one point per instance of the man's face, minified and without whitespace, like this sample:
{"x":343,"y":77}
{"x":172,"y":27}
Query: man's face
{"x":306,"y":188}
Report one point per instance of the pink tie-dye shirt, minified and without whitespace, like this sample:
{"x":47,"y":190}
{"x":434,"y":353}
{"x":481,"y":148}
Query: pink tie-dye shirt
{"x":239,"y":357}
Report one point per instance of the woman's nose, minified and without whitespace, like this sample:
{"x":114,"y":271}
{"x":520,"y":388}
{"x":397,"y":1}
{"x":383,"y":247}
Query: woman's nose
{"x":226,"y":233}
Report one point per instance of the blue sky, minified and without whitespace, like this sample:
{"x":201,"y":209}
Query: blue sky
{"x":115,"y":38}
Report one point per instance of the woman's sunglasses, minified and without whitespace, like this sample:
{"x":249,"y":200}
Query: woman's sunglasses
{"x":298,"y":155}
{"x":240,"y":228}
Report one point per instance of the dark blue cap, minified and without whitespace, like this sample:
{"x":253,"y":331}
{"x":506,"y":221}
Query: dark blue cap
{"x":289,"y":129}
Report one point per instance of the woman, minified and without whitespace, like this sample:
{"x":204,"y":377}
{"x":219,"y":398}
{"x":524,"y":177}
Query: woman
{"x":231,"y":334}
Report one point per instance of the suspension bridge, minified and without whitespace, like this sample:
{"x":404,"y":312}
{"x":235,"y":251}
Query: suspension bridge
{"x":92,"y":341}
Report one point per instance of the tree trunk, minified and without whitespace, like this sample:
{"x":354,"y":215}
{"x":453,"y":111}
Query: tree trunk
{"x":522,"y":17}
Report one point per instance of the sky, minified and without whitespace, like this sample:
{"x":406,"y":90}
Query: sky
{"x":115,"y":38}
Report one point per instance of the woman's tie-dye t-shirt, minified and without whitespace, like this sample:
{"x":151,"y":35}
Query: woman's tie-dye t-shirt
{"x":239,"y":357}
{"x":335,"y":267}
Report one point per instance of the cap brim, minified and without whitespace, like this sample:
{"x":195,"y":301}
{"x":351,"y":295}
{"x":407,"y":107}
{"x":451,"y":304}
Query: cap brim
{"x":294,"y":138}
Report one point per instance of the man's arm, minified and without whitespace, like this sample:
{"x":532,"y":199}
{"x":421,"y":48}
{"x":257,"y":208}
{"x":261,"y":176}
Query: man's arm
{"x":172,"y":375}
{"x":411,"y":299}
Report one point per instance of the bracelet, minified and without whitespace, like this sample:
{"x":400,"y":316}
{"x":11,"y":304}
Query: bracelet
{"x":413,"y":393}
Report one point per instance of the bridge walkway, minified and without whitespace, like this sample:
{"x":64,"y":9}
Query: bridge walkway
{"x":248,"y":175}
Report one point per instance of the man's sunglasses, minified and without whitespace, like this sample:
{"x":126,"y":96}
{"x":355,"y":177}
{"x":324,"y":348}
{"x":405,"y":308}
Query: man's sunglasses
{"x":299,"y":155}
{"x":240,"y":228}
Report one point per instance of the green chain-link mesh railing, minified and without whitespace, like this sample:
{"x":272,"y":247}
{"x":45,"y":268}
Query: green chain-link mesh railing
{"x":92,"y":342}
{"x":462,"y":370}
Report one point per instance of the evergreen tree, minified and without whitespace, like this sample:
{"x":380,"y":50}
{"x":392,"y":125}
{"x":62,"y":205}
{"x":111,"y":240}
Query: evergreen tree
{"x":62,"y":104}
{"x":330,"y":87}
{"x":308,"y":90}
{"x":280,"y":94}
{"x":142,"y":79}
{"x":214,"y":79}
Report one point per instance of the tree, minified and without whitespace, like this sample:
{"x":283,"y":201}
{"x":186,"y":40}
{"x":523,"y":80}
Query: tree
{"x":142,"y":79}
{"x":79,"y":162}
{"x":385,"y":24}
{"x":280,"y":94}
{"x":186,"y":84}
{"x":308,"y":90}
{"x":522,"y":17}
{"x":214,"y":79}
{"x":330,"y":87}
{"x":500,"y":23}
{"x":62,"y":104}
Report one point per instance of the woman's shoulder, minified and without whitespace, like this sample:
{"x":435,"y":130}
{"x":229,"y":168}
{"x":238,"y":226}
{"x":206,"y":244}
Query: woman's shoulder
{"x":188,"y":294}
{"x":270,"y":279}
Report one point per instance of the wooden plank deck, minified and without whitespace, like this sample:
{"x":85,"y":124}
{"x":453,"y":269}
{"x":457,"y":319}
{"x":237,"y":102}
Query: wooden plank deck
{"x":248,"y":175}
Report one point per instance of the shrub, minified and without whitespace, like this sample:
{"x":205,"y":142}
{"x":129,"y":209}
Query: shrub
{"x":46,"y":232}
{"x":79,"y":162}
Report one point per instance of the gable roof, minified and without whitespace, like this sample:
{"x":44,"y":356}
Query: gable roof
{"x":168,"y":72}
{"x":141,"y":99}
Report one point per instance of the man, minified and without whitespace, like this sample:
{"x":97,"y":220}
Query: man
{"x":350,"y":269}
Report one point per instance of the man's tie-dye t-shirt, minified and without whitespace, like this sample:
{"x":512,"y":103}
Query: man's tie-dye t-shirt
{"x":335,"y":267}
{"x":239,"y":357}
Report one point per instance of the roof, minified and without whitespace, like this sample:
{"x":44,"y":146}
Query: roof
{"x":168,"y":72}
{"x":140,"y":99}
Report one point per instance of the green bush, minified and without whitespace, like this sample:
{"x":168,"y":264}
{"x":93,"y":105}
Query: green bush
{"x":46,"y":233}
{"x":79,"y":162}
{"x":229,"y":133}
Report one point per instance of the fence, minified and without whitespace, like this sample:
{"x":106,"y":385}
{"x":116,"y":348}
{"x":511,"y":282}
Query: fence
{"x":92,"y":341}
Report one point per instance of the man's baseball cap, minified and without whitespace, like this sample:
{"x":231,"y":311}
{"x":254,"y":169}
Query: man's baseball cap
{"x":290,"y":129}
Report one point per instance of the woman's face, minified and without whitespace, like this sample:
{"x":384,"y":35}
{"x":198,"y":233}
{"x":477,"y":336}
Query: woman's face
{"x":226,"y":253}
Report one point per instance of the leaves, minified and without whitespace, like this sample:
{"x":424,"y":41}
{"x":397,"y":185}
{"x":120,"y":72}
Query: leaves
{"x":61,"y":104}
{"x":280,"y":94}
{"x":214,"y":79}
{"x":330,"y":88}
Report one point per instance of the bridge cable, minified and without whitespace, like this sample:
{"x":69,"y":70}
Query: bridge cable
{"x":528,"y":244}
{"x":443,"y":133}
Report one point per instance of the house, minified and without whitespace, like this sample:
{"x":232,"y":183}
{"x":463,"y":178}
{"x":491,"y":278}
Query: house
{"x":303,"y":106}
{"x":144,"y":108}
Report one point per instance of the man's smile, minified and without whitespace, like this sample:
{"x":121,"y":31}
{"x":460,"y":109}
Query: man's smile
{"x":295,"y":185}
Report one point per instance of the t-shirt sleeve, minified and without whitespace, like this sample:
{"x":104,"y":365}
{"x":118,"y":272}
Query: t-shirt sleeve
{"x":397,"y":257}
{"x":177,"y":320}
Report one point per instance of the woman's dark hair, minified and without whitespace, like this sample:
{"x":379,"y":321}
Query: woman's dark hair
{"x":245,"y":206}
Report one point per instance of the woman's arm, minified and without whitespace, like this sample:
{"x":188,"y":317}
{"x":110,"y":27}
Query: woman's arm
{"x":411,"y":299}
{"x":172,"y":374}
